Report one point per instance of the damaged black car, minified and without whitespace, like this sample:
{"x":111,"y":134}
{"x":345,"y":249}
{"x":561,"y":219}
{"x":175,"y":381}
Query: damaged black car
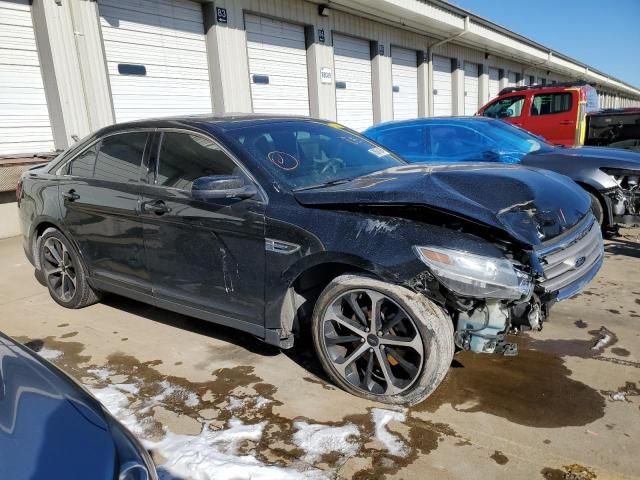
{"x":286,"y":227}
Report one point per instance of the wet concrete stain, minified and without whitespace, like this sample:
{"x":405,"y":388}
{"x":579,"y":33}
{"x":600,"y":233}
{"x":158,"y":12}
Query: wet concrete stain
{"x":63,"y":325}
{"x":546,"y":441}
{"x":124,"y":339}
{"x":621,"y":352}
{"x":499,"y":457}
{"x":69,"y":335}
{"x":601,"y":339}
{"x":637,"y":299}
{"x":569,"y":472}
{"x":317,"y":381}
{"x":614,"y":311}
{"x":629,"y":389}
{"x":581,"y":324}
{"x":531,"y":389}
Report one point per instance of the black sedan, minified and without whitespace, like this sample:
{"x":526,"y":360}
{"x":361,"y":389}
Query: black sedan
{"x":52,"y":428}
{"x":288,"y":226}
{"x":610,"y":176}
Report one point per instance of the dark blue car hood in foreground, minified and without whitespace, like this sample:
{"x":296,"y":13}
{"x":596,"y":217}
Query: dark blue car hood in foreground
{"x":49,"y":427}
{"x":530,"y":205}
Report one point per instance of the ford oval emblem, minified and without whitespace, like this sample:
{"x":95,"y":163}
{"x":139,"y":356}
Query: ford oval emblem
{"x":579,"y":262}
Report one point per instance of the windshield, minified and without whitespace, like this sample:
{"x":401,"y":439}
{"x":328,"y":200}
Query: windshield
{"x":306,"y":154}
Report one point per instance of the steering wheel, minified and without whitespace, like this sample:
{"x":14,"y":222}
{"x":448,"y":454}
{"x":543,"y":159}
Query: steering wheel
{"x":333,"y":165}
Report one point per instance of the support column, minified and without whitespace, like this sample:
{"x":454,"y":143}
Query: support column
{"x":73,"y":68}
{"x":424,"y":92}
{"x":458,"y":86}
{"x":320,"y":73}
{"x":483,"y":84}
{"x":228,"y":61}
{"x":382,"y":82}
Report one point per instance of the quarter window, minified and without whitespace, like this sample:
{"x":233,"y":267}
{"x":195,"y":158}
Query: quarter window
{"x":550,"y":103}
{"x":82,"y":165}
{"x":508,"y":107}
{"x":184,"y":157}
{"x":120,"y":157}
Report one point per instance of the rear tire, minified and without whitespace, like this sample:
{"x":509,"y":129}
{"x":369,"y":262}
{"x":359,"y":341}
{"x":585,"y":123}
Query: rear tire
{"x":403,"y":362}
{"x":63,"y":271}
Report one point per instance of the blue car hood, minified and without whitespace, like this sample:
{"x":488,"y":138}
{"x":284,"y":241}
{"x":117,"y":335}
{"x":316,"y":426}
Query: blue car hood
{"x":49,"y":427}
{"x":529,"y":204}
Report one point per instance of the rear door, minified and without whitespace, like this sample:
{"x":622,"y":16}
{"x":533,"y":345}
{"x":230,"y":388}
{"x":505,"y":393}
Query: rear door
{"x":100,"y":194}
{"x":208,"y":255}
{"x":553,"y":115}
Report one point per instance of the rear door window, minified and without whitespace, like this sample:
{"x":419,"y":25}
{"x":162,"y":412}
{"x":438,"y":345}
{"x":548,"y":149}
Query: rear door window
{"x":405,"y":141}
{"x":457,"y":143}
{"x":120,"y":157}
{"x":82,"y":165}
{"x":551,"y":103}
{"x":508,"y":107}
{"x":185,"y":157}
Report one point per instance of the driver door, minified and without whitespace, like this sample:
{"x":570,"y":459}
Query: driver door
{"x":207,"y":254}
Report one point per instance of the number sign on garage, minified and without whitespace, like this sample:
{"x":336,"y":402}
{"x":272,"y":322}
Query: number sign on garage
{"x":442,"y":86}
{"x":277,"y":66}
{"x":24,"y":117}
{"x":156,"y":57}
{"x":405,"y":83}
{"x":470,"y":88}
{"x":354,"y":97}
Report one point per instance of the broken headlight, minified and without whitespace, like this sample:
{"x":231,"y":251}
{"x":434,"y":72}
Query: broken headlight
{"x":472,"y":275}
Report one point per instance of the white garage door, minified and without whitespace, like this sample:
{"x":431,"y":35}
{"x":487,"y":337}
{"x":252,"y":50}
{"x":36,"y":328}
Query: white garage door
{"x":494,"y":82}
{"x":442,"y":86}
{"x":156,"y":56}
{"x":354,"y":98}
{"x":511,"y":79}
{"x":277,"y":66}
{"x":24,"y":117}
{"x":405,"y":83}
{"x":470,"y":88}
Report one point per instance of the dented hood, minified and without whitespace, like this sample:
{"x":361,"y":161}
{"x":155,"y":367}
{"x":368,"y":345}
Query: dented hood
{"x":529,"y":204}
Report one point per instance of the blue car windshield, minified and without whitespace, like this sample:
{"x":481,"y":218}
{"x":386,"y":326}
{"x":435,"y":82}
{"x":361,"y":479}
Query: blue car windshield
{"x":305,"y":154}
{"x":460,"y":140}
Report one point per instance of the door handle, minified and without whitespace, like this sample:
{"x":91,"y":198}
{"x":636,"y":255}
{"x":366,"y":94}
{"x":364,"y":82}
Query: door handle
{"x":158,"y":207}
{"x":71,"y":195}
{"x":565,"y":122}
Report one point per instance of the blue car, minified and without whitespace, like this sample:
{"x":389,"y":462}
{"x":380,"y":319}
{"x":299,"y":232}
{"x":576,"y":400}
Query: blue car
{"x":610,"y":176}
{"x":51,"y":428}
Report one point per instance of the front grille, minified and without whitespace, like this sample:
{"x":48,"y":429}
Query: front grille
{"x":575,"y":255}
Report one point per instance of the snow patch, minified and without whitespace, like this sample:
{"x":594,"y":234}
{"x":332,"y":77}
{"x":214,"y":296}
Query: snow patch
{"x":127,"y":387}
{"x":391,"y":442}
{"x":204,"y":457}
{"x":317,"y":440}
{"x":49,"y":353}
{"x":101,"y":373}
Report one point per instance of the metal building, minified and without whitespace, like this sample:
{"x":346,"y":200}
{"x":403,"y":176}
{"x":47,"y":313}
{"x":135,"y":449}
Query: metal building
{"x":68,"y":67}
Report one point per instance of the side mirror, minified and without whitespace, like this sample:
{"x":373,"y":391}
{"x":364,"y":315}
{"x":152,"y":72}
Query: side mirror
{"x":222,"y":186}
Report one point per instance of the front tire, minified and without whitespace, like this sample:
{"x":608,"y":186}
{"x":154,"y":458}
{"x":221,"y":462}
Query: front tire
{"x":597,"y":209}
{"x":63,"y":272}
{"x":381,"y":341}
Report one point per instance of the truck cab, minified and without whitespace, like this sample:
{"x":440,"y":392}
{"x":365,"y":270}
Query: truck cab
{"x":556,"y":112}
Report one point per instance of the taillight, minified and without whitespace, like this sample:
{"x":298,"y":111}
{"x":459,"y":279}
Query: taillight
{"x":19,"y":191}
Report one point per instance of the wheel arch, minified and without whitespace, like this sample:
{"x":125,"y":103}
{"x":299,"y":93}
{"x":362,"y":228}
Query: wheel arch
{"x":603,"y":199}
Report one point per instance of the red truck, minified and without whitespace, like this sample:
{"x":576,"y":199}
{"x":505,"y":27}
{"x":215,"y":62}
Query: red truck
{"x":566,"y":114}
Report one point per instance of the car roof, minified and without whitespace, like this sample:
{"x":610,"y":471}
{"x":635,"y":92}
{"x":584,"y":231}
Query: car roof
{"x":226,"y":121}
{"x":426,"y":120}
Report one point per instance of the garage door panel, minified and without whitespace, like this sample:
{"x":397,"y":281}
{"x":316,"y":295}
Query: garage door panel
{"x":169,"y":42}
{"x":471,"y":88}
{"x":24,"y":117}
{"x":277,"y":49}
{"x":404,"y":71}
{"x":442,"y":86}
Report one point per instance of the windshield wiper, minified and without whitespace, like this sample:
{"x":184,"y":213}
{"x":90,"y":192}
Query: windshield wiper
{"x":330,"y":183}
